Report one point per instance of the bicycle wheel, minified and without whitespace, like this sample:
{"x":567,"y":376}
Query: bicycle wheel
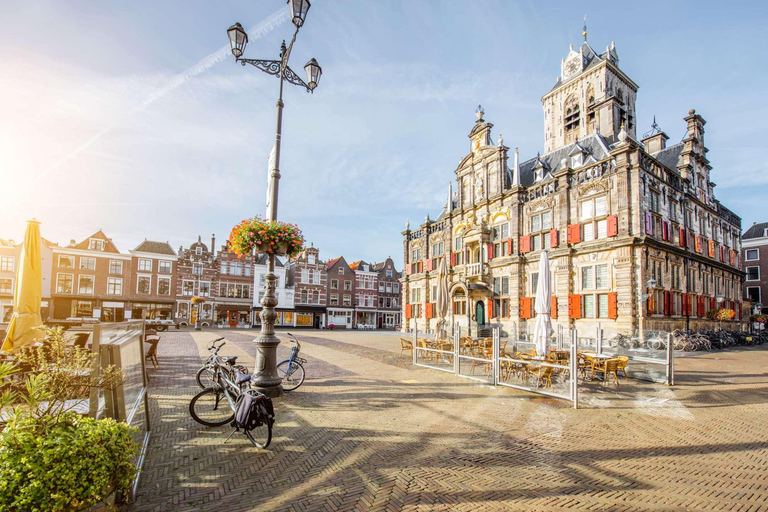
{"x":204,"y":377}
{"x":260,"y":436}
{"x":292,"y":373}
{"x":210,"y":408}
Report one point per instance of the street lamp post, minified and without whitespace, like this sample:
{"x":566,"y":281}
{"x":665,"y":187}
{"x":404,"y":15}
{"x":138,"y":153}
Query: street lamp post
{"x":265,"y":378}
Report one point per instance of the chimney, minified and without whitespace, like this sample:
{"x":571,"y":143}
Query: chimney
{"x":655,"y":142}
{"x":72,"y":242}
{"x":213,"y":244}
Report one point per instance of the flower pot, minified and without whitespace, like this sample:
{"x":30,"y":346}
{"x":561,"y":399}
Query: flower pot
{"x":280,"y":249}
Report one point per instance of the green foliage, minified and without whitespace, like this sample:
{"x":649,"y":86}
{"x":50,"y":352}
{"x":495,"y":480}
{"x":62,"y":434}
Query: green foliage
{"x":64,"y":463}
{"x":51,"y":458}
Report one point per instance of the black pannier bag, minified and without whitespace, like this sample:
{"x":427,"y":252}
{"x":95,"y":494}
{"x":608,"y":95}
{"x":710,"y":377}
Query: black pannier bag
{"x":253,"y":409}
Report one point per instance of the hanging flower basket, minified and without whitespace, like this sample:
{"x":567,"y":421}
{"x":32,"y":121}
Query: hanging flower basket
{"x":197,"y":300}
{"x":263,"y":236}
{"x":761,"y":318}
{"x":725,"y":314}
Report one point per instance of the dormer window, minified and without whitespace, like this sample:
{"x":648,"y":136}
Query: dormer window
{"x":577,"y":160}
{"x":538,"y":175}
{"x":96,"y":245}
{"x":198,"y":251}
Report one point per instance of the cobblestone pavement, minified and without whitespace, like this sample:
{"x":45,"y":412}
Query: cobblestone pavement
{"x":367,"y":431}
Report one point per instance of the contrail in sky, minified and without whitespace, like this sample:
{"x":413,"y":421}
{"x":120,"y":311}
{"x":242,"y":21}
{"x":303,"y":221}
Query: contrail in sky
{"x":256,"y":32}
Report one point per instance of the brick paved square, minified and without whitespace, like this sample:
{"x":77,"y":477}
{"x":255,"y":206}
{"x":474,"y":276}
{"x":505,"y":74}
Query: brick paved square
{"x":367,"y":431}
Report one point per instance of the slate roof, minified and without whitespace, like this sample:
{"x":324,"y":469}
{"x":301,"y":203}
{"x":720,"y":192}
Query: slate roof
{"x":155,"y":247}
{"x":755,"y":231}
{"x":109,"y":246}
{"x":669,"y":156}
{"x":593,"y":146}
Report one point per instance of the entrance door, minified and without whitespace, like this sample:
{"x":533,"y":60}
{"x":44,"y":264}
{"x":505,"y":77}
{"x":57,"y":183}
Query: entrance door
{"x":232,"y":318}
{"x":381,"y":321}
{"x":480,"y":312}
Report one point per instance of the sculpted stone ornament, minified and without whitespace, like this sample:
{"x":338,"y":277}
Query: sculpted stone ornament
{"x":479,"y":188}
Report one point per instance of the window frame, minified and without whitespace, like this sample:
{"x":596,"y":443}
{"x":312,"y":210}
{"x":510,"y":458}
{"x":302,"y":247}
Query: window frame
{"x":746,"y":254}
{"x":112,"y":282}
{"x":10,"y":289}
{"x":7,"y":263}
{"x":113,"y":263}
{"x":160,"y":265}
{"x":88,"y":259}
{"x":139,"y":278}
{"x":161,"y":279}
{"x":183,"y":290}
{"x":746,"y":271}
{"x":71,"y":283}
{"x":66,"y":257}
{"x":143,"y":265}
{"x":759,"y":293}
{"x":80,"y":277}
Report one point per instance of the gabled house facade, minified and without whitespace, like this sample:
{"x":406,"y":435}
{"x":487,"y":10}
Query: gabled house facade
{"x":366,"y":294}
{"x":196,"y":276}
{"x":153,"y":281}
{"x":341,"y":294}
{"x":754,"y":254}
{"x":90,"y":280}
{"x":310,"y":288}
{"x":233,"y":289}
{"x":388,"y":310}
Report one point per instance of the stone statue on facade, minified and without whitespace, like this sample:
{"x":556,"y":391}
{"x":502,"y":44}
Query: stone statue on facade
{"x":479,"y":188}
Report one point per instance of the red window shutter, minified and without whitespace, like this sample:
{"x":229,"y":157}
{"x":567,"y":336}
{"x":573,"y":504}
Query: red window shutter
{"x":554,"y":238}
{"x":733,"y":258}
{"x":553,"y":308}
{"x":711,"y":303}
{"x":613,"y":225}
{"x":408,"y":269}
{"x":682,"y":236}
{"x":525,"y":244}
{"x":666,"y":302}
{"x":711,"y":245}
{"x":613,"y":305}
{"x":490,"y":309}
{"x":408,"y":311}
{"x":509,"y":247}
{"x":685,"y":303}
{"x":453,"y":259}
{"x":490,"y":252}
{"x":574,"y":233}
{"x":574,"y":306}
{"x":663,"y":230}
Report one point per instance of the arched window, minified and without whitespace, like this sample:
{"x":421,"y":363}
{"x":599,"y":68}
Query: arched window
{"x":315,"y":297}
{"x":590,"y":108}
{"x":304,"y":296}
{"x":571,"y":118}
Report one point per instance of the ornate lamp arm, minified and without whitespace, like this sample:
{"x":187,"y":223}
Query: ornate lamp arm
{"x":271,"y":67}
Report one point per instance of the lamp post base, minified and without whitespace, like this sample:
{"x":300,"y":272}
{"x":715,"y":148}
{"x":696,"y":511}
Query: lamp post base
{"x":263,"y":380}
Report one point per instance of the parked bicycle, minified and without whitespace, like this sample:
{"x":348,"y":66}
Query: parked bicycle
{"x":231,"y":400}
{"x":205,"y":375}
{"x":292,"y":369}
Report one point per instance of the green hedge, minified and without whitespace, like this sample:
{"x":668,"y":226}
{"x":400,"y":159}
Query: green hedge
{"x":65,"y":463}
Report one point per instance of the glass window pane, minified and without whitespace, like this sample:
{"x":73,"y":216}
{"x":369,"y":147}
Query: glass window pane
{"x":586,"y":210}
{"x":602,"y":229}
{"x":602,"y":306}
{"x":535,"y":223}
{"x":534,"y":282}
{"x":588,"y":278}
{"x":589,"y":306}
{"x":536,"y":243}
{"x":600,"y":207}
{"x":589,"y":231}
{"x":546,"y":220}
{"x":505,"y":231}
{"x":602,"y":276}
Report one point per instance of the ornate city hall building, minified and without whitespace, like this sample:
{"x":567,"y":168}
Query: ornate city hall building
{"x":637,"y":240}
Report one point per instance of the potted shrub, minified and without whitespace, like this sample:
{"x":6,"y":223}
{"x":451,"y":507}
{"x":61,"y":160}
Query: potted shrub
{"x":266,"y":237}
{"x":51,"y":457}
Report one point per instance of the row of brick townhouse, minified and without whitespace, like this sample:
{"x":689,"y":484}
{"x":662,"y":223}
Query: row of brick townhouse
{"x":617,"y":213}
{"x":93,"y":279}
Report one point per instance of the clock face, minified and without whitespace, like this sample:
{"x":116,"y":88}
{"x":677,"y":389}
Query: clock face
{"x":571,"y":68}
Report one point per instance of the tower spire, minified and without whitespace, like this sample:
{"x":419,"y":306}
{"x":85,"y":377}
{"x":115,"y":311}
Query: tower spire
{"x":585,"y":27}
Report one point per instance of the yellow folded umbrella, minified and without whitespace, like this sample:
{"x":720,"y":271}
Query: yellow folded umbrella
{"x":28,"y":294}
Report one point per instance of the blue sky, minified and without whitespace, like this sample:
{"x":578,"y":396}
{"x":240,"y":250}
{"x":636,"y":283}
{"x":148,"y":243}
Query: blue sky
{"x":132,"y":117}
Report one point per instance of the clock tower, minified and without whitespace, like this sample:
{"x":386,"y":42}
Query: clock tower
{"x":591,"y":94}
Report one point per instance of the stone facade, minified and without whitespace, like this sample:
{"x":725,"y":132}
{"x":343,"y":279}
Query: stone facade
{"x":617,"y":215}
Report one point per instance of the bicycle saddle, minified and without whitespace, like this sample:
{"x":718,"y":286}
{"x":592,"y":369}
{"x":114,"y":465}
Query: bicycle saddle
{"x":229,"y":359}
{"x":242,"y":377}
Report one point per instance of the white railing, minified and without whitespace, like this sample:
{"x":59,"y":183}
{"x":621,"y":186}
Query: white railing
{"x":474,"y":269}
